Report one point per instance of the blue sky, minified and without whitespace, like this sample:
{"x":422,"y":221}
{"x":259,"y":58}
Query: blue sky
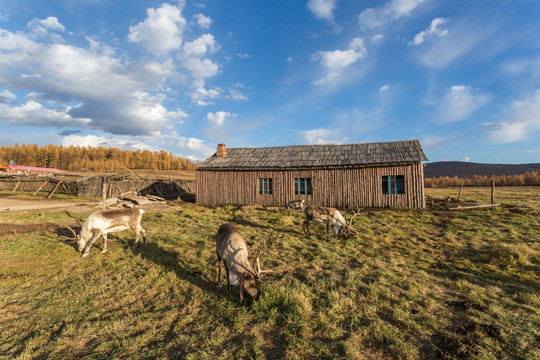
{"x":463,"y":77}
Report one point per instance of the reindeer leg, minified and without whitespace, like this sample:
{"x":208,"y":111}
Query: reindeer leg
{"x":305,"y":227}
{"x":104,"y":243}
{"x":143,"y":234}
{"x":219,"y":274}
{"x":327,"y":231}
{"x":89,"y":243}
{"x":242,"y":289}
{"x":229,"y":287}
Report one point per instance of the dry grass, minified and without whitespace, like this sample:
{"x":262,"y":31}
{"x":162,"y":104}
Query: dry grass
{"x":413,"y":285}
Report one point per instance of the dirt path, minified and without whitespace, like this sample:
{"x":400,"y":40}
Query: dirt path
{"x":22,"y":205}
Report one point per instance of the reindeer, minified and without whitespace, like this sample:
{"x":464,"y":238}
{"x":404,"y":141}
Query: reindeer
{"x":103,"y":222}
{"x":295,"y":204}
{"x":329,"y":216}
{"x":232,"y":249}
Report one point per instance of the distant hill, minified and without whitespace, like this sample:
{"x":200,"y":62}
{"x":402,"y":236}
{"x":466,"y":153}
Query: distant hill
{"x":467,"y":169}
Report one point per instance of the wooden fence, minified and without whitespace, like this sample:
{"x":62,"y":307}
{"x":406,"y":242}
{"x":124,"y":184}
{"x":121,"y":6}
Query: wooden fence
{"x":96,"y":187}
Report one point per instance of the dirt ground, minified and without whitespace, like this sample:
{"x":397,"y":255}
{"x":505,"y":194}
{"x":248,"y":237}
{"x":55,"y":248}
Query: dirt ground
{"x":8,"y":204}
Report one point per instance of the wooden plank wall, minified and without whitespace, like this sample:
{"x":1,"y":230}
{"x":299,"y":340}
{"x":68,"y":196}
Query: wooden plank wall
{"x":337,"y":188}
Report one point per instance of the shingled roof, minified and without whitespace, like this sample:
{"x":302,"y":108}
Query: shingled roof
{"x":317,"y":156}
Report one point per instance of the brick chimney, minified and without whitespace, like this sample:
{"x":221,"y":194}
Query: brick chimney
{"x":221,"y":151}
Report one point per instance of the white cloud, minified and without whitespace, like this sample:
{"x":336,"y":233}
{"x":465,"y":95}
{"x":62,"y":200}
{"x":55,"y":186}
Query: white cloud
{"x":322,"y":9}
{"x":379,"y":17}
{"x":7,"y":96}
{"x":460,"y":102}
{"x":433,"y":30}
{"x":462,"y":38}
{"x":42,"y":27}
{"x":335,"y":62}
{"x":524,"y":66}
{"x":192,"y":57}
{"x":33,"y":113}
{"x":15,"y":43}
{"x":236,"y":94}
{"x":523,"y":121}
{"x":205,"y":44}
{"x":384,"y":88}
{"x":466,"y":159}
{"x":218,"y":118}
{"x":198,"y":145}
{"x":377,"y":39}
{"x":203,"y":21}
{"x":432,"y":142}
{"x":161,"y":32}
{"x":113,"y":95}
{"x":201,"y":95}
{"x":200,"y":68}
{"x":121,"y":142}
{"x":322,"y":136}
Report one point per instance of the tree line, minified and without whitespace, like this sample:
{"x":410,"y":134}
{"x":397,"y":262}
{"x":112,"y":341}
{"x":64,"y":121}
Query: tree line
{"x":99,"y":159}
{"x":529,"y":178}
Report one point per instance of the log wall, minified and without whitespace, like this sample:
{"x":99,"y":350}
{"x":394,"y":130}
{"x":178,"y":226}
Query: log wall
{"x":93,"y":187}
{"x":337,"y":188}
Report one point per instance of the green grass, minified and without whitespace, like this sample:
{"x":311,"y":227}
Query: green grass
{"x":413,"y":285}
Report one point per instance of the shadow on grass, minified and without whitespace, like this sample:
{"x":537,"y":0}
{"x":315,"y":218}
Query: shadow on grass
{"x":170,"y":260}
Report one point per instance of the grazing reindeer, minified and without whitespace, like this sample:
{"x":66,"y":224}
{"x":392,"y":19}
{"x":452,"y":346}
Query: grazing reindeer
{"x":232,"y":249}
{"x":295,"y":204}
{"x":330,"y":217}
{"x":103,"y":222}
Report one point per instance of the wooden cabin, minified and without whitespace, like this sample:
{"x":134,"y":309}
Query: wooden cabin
{"x":370,"y":175}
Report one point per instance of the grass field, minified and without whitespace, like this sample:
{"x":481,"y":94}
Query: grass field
{"x":414,"y":284}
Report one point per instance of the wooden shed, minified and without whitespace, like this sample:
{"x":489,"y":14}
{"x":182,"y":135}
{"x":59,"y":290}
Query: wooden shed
{"x":371,"y":175}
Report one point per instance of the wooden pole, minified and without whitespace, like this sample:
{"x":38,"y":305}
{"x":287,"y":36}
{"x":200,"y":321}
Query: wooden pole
{"x":104,"y":192}
{"x":16,"y":186}
{"x":155,"y":187}
{"x":41,"y":187}
{"x":493,"y":191}
{"x":460,"y":188}
{"x":54,"y":190}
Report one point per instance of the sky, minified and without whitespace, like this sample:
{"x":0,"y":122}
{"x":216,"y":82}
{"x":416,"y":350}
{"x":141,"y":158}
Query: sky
{"x":461,"y":76}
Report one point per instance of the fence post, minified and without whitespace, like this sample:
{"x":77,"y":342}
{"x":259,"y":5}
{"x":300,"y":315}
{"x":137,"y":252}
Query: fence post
{"x":493,"y":191}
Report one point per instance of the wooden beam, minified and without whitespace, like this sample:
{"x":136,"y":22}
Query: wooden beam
{"x":54,"y":189}
{"x":16,"y":186}
{"x":41,"y":187}
{"x":474,"y":207}
{"x":159,"y":192}
{"x":460,"y":188}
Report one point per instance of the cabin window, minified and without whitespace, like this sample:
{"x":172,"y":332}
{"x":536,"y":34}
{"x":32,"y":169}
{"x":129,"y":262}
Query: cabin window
{"x":393,"y":184}
{"x":302,"y":186}
{"x":265,"y":186}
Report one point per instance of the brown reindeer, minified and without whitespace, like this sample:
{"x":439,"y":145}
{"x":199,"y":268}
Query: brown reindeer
{"x":329,"y":216}
{"x":294,"y":205}
{"x":232,"y":249}
{"x":103,"y":222}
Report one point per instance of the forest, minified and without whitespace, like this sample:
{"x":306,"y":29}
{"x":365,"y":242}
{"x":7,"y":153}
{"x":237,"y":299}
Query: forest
{"x":529,"y":178}
{"x":98,"y":159}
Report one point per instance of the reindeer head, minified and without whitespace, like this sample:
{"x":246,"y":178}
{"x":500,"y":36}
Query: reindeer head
{"x":347,"y":230}
{"x":77,"y":238}
{"x":250,"y":284}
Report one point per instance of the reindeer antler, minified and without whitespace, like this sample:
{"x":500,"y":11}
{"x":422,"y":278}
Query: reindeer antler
{"x":74,"y":218}
{"x":65,"y":238}
{"x":263,"y":247}
{"x":355,"y":213}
